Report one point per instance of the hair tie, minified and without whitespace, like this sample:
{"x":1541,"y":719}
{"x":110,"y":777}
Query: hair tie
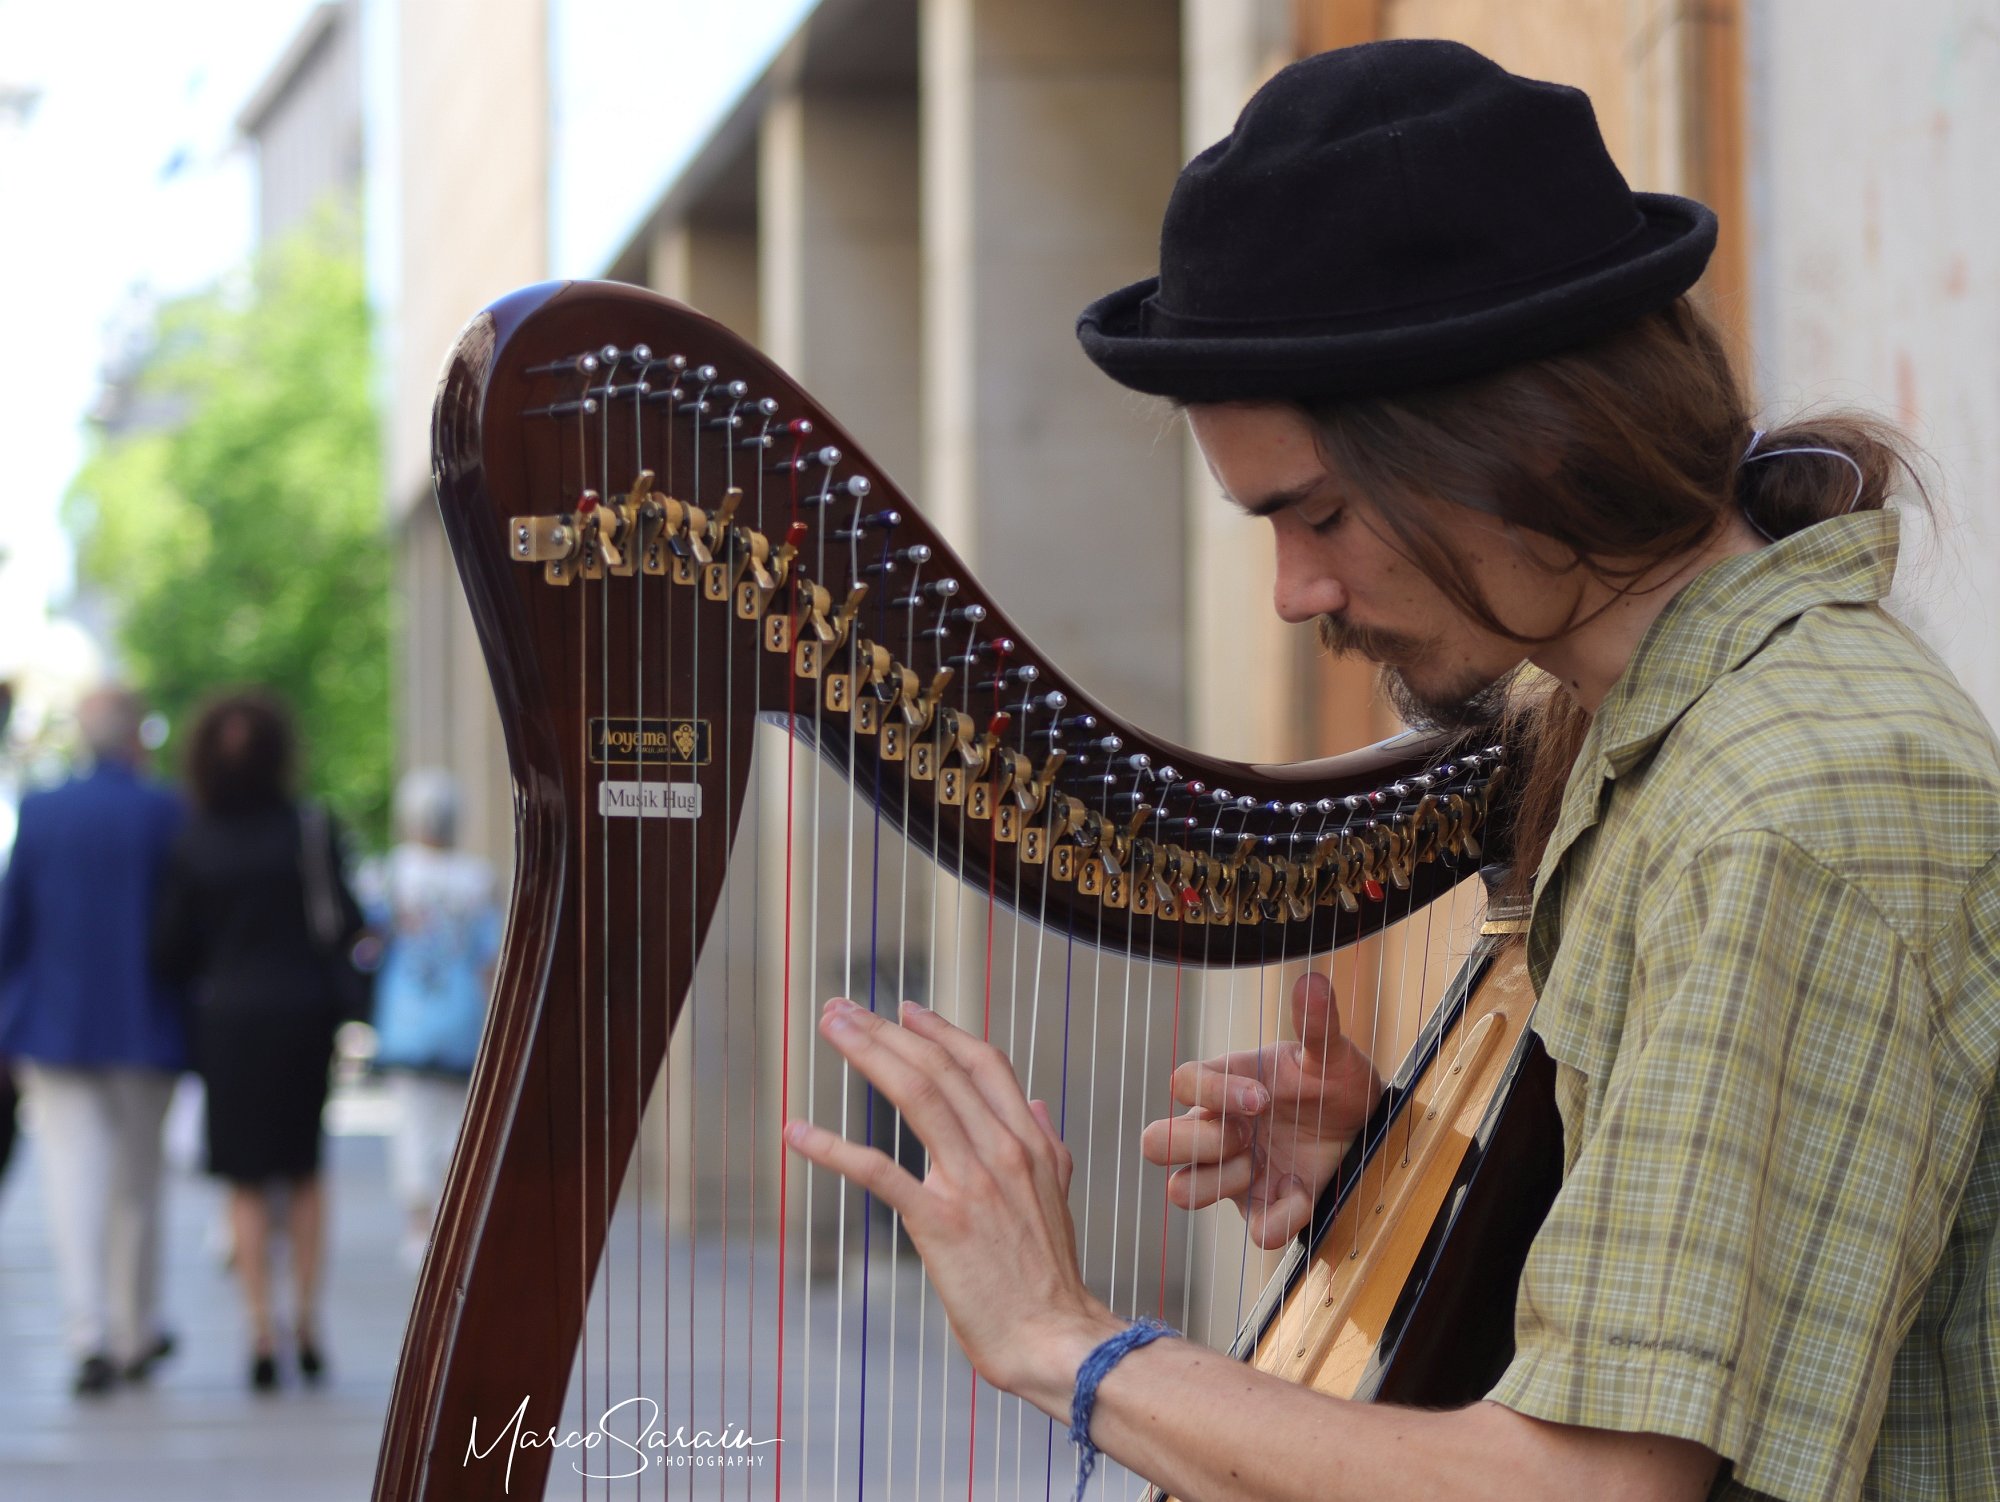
{"x":1751,"y":456}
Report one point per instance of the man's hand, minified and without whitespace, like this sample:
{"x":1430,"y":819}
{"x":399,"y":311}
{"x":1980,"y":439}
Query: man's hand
{"x":1267,"y":1127}
{"x":991,"y":1216}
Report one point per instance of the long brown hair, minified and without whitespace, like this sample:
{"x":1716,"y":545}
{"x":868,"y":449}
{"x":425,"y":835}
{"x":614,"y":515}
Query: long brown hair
{"x":241,"y":754}
{"x":1626,"y":452}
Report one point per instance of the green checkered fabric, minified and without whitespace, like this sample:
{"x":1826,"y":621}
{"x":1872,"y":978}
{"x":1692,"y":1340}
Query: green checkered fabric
{"x":1766,"y":942}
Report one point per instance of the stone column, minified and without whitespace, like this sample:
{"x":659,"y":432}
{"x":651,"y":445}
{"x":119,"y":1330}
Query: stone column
{"x":460,"y":250}
{"x":1051,"y":138}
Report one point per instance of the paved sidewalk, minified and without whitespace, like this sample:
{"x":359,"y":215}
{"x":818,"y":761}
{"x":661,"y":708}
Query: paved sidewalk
{"x":196,"y":1431}
{"x":197,"y":1434}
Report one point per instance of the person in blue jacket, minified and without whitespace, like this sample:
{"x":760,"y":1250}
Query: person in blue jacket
{"x":95,"y":1035}
{"x":437,"y":907}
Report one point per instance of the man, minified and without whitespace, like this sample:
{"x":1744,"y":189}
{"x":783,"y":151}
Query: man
{"x":97,"y":1039}
{"x":1419,"y":322}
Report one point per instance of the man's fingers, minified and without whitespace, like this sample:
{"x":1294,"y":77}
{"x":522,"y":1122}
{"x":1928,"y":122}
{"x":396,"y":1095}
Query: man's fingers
{"x":1315,"y":1021}
{"x":917,"y":1076}
{"x":1196,"y":1188}
{"x":1221,"y":1091}
{"x":1065,"y":1163}
{"x":1280,"y":1215}
{"x":984,"y":1065}
{"x":1197,"y":1136}
{"x":867,"y":1168}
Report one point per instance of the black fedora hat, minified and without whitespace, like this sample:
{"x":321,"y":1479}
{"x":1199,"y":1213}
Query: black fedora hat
{"x":1390,"y":216}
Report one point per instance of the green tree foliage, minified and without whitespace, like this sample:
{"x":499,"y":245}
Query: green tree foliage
{"x":245,"y":544}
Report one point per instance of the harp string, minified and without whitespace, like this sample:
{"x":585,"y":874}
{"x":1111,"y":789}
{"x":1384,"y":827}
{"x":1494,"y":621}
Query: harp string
{"x":1369,"y":1150}
{"x":1023,"y":719}
{"x":1228,"y":1037}
{"x":874,"y":967}
{"x":902,"y":992}
{"x":587,"y":823}
{"x":798,"y":430}
{"x":641,"y":909}
{"x":813,"y":993}
{"x":604,"y":1000}
{"x":669,"y":1105}
{"x":996,"y":727}
{"x":696,"y":411}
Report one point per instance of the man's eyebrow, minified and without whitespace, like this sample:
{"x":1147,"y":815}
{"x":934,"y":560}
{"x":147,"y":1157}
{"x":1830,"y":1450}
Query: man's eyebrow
{"x":1278,"y":500}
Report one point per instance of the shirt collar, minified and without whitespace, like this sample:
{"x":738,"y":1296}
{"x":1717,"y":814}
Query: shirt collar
{"x":1727,"y":613}
{"x":1716,"y":623}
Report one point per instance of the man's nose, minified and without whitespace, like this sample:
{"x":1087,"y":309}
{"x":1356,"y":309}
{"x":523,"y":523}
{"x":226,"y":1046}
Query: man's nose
{"x":1304,"y":589}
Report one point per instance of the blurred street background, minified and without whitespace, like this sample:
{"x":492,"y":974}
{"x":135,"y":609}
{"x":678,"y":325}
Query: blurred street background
{"x":194,"y":1431}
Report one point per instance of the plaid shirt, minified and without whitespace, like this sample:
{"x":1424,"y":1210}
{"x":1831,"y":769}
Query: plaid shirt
{"x":1766,"y":942}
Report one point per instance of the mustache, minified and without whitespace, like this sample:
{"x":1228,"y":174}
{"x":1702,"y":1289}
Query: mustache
{"x":1344,"y":638}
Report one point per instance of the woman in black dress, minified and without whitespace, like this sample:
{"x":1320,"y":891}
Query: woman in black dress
{"x":234,"y":921}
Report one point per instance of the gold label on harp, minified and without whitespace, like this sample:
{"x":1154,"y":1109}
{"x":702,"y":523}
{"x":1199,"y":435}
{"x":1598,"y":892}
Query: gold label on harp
{"x":1062,"y":865}
{"x":867,"y":715}
{"x":951,"y":786}
{"x":655,"y":561}
{"x":778,"y":633}
{"x":979,"y":800}
{"x":715,"y":581}
{"x":1034,"y":847}
{"x":894,"y":747}
{"x":749,"y":602}
{"x":838,"y":686}
{"x":1090,"y":877}
{"x":684,"y":569}
{"x":805,"y":662}
{"x":923,"y":760}
{"x":1007,"y":824}
{"x":1143,"y":902}
{"x":590,"y":562}
{"x":649,"y":742}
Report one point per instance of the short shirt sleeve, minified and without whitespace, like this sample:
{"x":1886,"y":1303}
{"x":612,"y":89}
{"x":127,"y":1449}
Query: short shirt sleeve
{"x":1749,"y":1215}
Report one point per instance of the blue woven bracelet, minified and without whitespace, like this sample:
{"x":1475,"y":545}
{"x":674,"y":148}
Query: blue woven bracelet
{"x":1141,"y":1332}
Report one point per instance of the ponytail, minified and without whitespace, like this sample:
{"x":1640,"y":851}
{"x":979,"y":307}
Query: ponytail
{"x":1832,"y":463}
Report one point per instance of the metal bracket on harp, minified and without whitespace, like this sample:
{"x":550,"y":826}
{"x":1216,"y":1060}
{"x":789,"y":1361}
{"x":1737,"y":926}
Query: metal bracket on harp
{"x":727,"y":556}
{"x":767,"y":569}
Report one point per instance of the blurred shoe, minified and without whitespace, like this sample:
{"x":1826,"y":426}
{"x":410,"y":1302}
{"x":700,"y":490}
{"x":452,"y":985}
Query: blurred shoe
{"x":263,"y":1372}
{"x":312,"y":1365}
{"x":95,"y":1376}
{"x":141,"y":1366}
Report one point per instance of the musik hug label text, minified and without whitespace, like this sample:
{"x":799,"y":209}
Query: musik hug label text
{"x":649,"y":800}
{"x":617,"y":742}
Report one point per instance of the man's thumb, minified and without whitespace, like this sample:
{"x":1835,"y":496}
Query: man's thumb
{"x":1315,"y":1020}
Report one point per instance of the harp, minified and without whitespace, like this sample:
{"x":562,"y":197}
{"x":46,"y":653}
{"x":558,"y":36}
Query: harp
{"x":696,"y":597}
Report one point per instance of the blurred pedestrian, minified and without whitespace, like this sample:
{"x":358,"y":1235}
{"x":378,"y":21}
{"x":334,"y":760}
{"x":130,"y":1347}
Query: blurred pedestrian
{"x":438,"y":909}
{"x":96,"y":1038}
{"x":9,"y":1096}
{"x":236,"y":921}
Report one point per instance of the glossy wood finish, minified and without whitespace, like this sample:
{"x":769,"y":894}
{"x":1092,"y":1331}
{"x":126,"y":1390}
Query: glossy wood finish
{"x":607,"y":915}
{"x":1375,"y":1231}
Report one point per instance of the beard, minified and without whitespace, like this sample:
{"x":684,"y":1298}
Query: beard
{"x":1470,"y":704}
{"x":1463,"y":708}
